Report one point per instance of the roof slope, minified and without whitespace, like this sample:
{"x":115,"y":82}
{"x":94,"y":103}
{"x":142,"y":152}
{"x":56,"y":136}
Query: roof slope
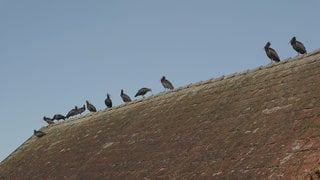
{"x":262,"y":123}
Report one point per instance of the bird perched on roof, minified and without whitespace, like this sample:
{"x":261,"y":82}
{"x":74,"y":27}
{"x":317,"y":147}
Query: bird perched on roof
{"x":108,"y":101}
{"x":72,"y":112}
{"x":38,"y":133}
{"x":58,"y":117}
{"x":142,"y":92}
{"x":48,"y":120}
{"x":81,"y":110}
{"x":125,"y":97}
{"x":271,"y":53}
{"x":298,"y":46}
{"x":166,"y":83}
{"x":91,"y":107}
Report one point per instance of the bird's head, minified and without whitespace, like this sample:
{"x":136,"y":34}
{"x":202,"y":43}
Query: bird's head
{"x":293,"y":40}
{"x":268,"y":44}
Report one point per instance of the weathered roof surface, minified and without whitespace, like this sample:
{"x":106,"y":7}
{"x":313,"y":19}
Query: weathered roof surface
{"x":262,"y":123}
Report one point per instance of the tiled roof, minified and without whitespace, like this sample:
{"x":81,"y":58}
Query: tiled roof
{"x":261,"y":123}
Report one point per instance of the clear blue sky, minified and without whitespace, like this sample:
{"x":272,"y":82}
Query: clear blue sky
{"x":57,"y":54}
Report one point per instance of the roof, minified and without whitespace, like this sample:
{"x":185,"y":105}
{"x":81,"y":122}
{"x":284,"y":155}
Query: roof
{"x":261,"y":123}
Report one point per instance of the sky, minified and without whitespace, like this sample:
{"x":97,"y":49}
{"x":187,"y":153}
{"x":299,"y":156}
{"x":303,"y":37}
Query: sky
{"x":55,"y":55}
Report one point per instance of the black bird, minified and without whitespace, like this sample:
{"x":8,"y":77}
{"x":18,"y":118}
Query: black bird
{"x":125,"y":97}
{"x":298,"y":46}
{"x":48,"y":120}
{"x":91,"y":107}
{"x":81,"y":110}
{"x":166,"y":83}
{"x":271,"y":53}
{"x":38,"y":133}
{"x":72,"y":112}
{"x":108,"y":101}
{"x":142,"y":92}
{"x":58,"y":117}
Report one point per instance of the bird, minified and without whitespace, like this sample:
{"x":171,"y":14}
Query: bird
{"x":125,"y":97}
{"x":81,"y":110}
{"x":166,"y":83}
{"x":72,"y":112}
{"x":271,"y":53}
{"x":38,"y":133}
{"x":91,"y":107}
{"x":58,"y":117}
{"x":298,"y":46}
{"x":108,"y":101}
{"x":48,"y":120}
{"x":142,"y":92}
